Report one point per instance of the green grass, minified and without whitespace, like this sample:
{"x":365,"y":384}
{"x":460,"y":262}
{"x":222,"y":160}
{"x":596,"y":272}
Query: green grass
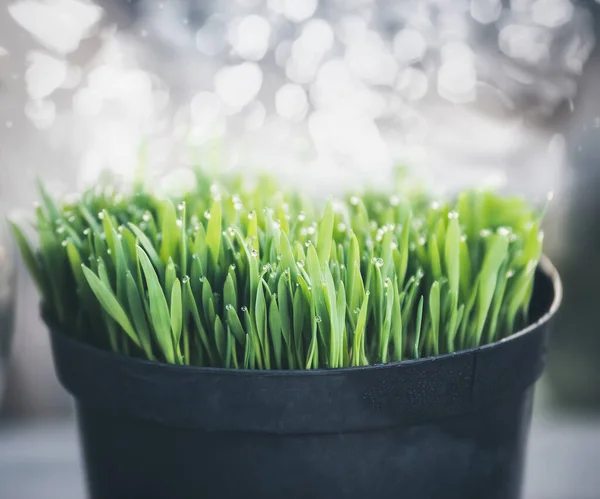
{"x":247,"y":276}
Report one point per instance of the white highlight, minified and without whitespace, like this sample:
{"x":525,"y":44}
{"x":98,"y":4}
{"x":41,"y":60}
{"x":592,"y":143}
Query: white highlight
{"x":60,"y":25}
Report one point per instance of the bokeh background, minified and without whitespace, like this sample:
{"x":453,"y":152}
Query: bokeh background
{"x":327,"y":94}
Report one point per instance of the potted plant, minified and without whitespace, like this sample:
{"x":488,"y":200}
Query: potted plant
{"x":244,"y":342}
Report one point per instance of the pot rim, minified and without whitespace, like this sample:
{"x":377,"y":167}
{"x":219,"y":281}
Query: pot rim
{"x":545,"y":266}
{"x":311,"y":401}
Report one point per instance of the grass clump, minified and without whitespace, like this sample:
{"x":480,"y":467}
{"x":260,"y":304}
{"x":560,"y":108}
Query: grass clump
{"x":240,"y":276}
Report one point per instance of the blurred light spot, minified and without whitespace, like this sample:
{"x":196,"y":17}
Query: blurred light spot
{"x":308,"y":50}
{"x":358,"y":138}
{"x":457,"y":51}
{"x":44,"y":74}
{"x":238,"y":85}
{"x":412,"y":84}
{"x":59,"y":25}
{"x":529,"y":44}
{"x":351,"y":28}
{"x":209,"y":38}
{"x":255,"y":117}
{"x":456,"y":81}
{"x":87,"y":102}
{"x":135,"y":93}
{"x":299,"y":10}
{"x":3,"y":51}
{"x":250,"y":37}
{"x":205,"y":109}
{"x":369,"y":58}
{"x":41,"y":112}
{"x":409,"y":46}
{"x":551,"y":13}
{"x":486,"y":11}
{"x":576,"y":52}
{"x":337,"y":89}
{"x":318,"y":35}
{"x":291,"y":102}
{"x":276,"y":6}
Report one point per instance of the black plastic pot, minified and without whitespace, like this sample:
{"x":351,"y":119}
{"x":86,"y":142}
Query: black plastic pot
{"x":453,"y":426}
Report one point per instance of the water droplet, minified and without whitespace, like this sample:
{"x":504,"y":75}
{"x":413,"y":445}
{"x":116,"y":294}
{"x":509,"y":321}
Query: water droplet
{"x":60,"y":230}
{"x":301,"y":216}
{"x":485,"y":233}
{"x":101,"y":215}
{"x":244,"y":308}
{"x":357,"y":310}
{"x":229,"y":307}
{"x":318,"y":318}
{"x":510,"y":273}
{"x":64,"y":243}
{"x":179,"y":223}
{"x":421,"y":241}
{"x":279,"y":257}
{"x":452,"y":214}
{"x":207,"y":215}
{"x":354,"y":200}
{"x":503,"y":231}
{"x":181,"y":206}
{"x":267,"y":267}
{"x":232,"y":266}
{"x":378,"y":262}
{"x":311,"y":230}
{"x":251,"y":215}
{"x":341,"y":227}
{"x":254,"y":253}
{"x":108,"y":252}
{"x":87,"y":232}
{"x":300,"y":263}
